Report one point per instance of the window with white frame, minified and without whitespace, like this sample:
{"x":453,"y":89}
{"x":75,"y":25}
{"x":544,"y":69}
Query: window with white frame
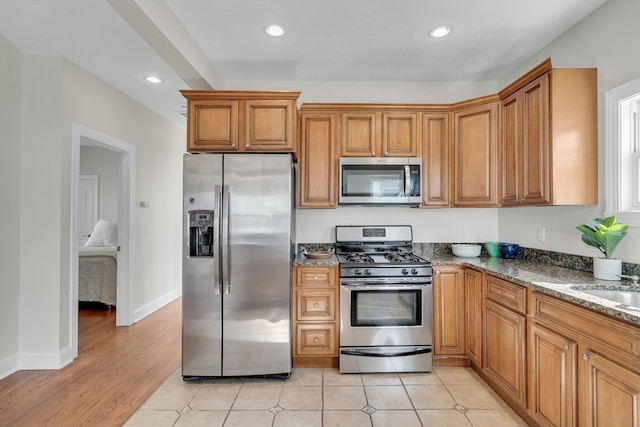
{"x":622,"y":152}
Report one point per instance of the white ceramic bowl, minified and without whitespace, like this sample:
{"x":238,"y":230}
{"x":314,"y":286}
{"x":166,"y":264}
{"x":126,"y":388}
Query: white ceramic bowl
{"x":466,"y":251}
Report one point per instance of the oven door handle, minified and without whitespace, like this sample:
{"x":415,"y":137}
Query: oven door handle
{"x":384,"y":286}
{"x":374,"y":353}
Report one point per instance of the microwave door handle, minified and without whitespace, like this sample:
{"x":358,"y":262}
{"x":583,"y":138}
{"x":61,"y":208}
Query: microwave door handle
{"x":217,"y":282}
{"x":226,"y":265}
{"x":407,"y":181}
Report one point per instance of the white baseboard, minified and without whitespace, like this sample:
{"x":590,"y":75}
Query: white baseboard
{"x":35,"y":361}
{"x":158,"y":303}
{"x":8,"y":365}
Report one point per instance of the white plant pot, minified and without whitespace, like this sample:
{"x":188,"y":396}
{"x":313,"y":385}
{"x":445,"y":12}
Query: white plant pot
{"x":607,"y":269}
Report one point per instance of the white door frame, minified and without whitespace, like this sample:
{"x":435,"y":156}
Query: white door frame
{"x":126,"y":229}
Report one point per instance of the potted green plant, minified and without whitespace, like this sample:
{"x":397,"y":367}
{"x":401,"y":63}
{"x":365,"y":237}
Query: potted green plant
{"x":604,"y":235}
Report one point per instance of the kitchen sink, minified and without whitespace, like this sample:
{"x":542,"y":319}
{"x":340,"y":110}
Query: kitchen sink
{"x":625,"y":295}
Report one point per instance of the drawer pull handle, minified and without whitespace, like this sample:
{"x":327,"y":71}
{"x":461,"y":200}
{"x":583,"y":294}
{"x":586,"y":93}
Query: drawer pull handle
{"x":316,"y":305}
{"x":316,"y":340}
{"x":585,"y":357}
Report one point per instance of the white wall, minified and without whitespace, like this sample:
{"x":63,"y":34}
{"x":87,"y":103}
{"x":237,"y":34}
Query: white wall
{"x":104,"y":163}
{"x":608,"y":39}
{"x":10,"y":202}
{"x":41,"y":97}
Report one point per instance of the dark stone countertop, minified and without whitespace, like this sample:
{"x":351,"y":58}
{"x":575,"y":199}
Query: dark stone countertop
{"x":551,"y":280}
{"x":301,"y":260}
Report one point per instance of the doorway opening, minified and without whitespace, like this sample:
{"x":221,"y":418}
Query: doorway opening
{"x":125,"y":231}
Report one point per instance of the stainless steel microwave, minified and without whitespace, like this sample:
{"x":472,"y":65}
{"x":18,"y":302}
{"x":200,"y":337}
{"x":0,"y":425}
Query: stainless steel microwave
{"x":380,"y":181}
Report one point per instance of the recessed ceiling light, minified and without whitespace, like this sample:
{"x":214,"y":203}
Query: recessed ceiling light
{"x":274,"y":30}
{"x":154,"y":80}
{"x":441,"y":31}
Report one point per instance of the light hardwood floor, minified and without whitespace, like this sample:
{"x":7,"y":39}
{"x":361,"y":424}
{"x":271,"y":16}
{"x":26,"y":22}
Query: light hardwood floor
{"x":116,"y":371}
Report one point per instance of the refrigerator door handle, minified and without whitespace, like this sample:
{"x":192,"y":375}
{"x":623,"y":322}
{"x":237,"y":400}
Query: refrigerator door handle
{"x":217,"y":282}
{"x":226,"y":264}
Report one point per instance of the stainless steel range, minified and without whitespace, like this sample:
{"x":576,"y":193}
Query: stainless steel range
{"x":385,"y":301}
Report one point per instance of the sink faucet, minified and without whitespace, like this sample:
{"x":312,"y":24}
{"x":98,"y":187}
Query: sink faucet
{"x":634,"y":279}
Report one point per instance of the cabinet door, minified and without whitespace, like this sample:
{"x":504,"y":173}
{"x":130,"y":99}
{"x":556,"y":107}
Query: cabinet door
{"x":448,"y":310}
{"x":534,"y":161}
{"x":435,"y":160}
{"x":609,"y":392}
{"x":473,"y":315}
{"x":399,"y":135}
{"x":359,"y":134}
{"x":552,"y":364}
{"x":269,"y":125}
{"x":475,"y":156}
{"x":504,"y":358}
{"x":213,"y":126}
{"x":317,"y":167}
{"x":510,"y":146}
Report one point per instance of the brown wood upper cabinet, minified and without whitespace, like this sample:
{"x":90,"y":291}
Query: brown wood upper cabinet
{"x":237,"y":121}
{"x":548,"y":138}
{"x":370,"y":133}
{"x":317,"y":172}
{"x":435,"y":159}
{"x":475,"y":152}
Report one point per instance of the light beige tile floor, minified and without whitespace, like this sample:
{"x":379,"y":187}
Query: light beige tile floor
{"x":454,"y":397}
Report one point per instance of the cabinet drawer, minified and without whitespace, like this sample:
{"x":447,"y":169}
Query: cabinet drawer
{"x":316,"y":305}
{"x":317,"y":339}
{"x":320,"y":277}
{"x":507,"y":294}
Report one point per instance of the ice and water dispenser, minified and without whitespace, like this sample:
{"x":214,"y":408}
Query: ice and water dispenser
{"x":201,"y":233}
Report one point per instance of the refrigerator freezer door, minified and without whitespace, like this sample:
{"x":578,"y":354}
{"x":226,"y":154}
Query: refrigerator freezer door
{"x":201,"y":306}
{"x":256,"y":313}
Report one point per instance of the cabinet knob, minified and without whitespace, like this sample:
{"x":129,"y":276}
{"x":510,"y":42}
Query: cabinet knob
{"x":316,"y":340}
{"x":386,"y":153}
{"x":233,"y":145}
{"x":316,"y":305}
{"x":585,"y":357}
{"x":516,"y":321}
{"x":315,"y":277}
{"x":437,"y":272}
{"x":247,"y":145}
{"x":373,"y":153}
{"x":499,"y":291}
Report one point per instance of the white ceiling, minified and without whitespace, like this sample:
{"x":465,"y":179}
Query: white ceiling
{"x":198,"y":44}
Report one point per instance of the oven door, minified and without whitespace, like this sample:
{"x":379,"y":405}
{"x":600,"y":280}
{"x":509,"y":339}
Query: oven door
{"x":384,"y":314}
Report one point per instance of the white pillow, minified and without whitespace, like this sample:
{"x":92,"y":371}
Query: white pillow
{"x":105,"y":233}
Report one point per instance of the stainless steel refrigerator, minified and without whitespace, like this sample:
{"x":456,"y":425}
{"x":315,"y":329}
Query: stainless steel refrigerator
{"x":236,"y":268}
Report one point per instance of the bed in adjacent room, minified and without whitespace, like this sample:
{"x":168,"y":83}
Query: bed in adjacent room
{"x":97,"y":265}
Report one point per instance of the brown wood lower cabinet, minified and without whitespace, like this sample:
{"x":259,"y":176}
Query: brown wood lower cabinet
{"x":584,"y":367}
{"x":448,"y":316}
{"x":552,"y":377}
{"x":504,"y":360}
{"x":315,"y":316}
{"x":609,"y":393}
{"x":473,"y":315}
